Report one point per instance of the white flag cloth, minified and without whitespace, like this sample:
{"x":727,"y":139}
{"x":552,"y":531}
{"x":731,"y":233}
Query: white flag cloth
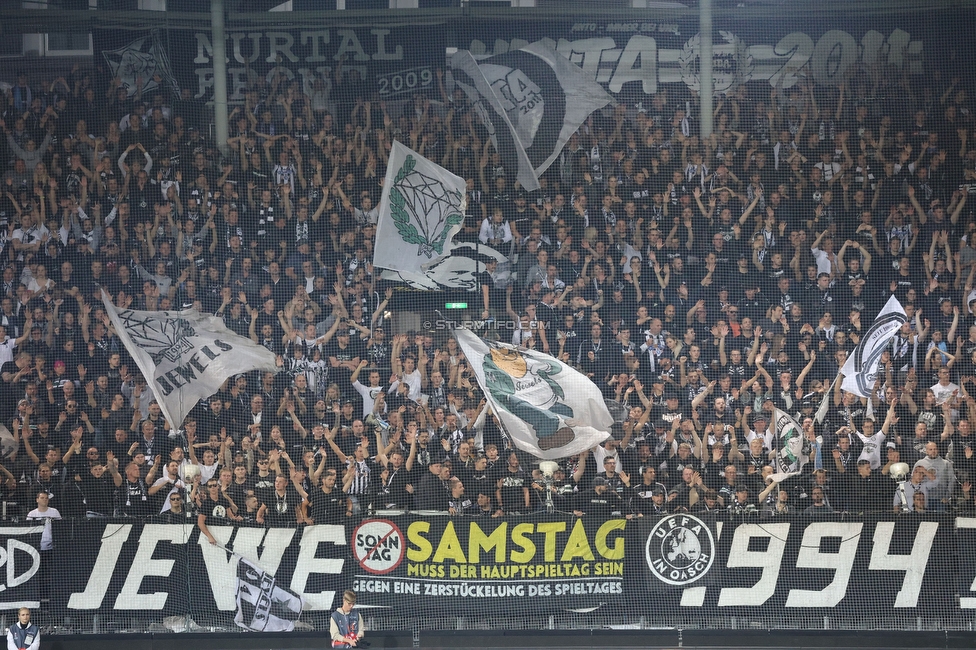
{"x":263,"y":605}
{"x":788,"y":445}
{"x":548,"y":409}
{"x":861,"y":367}
{"x":184,"y":355}
{"x":457,"y":270}
{"x":531,"y":100}
{"x":421,"y":209}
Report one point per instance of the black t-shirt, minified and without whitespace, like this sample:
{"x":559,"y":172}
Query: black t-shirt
{"x":350,"y":352}
{"x":281,"y":511}
{"x":262,"y":486}
{"x":217,"y":511}
{"x":512,"y":484}
{"x":596,"y":505}
{"x":328,"y":508}
{"x":133,"y":499}
{"x":396,"y":487}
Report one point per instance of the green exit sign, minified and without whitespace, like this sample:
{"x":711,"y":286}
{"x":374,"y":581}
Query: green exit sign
{"x":455,"y":305}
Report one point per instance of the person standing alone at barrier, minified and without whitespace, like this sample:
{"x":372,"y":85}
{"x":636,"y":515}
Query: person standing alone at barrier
{"x":346,"y":626}
{"x":23,"y":635}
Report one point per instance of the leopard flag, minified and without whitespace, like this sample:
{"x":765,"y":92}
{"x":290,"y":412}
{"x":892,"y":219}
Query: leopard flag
{"x":789,"y":458}
{"x":546,"y":407}
{"x":861,"y":368}
{"x":531,"y":100}
{"x":421,"y":209}
{"x":185,"y":356}
{"x":263,"y":605}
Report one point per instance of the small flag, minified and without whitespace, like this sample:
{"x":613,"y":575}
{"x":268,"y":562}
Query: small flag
{"x":547,"y":408}
{"x":421,"y":209}
{"x":262,"y":605}
{"x":185,"y":356}
{"x":861,"y":368}
{"x":531,"y":100}
{"x":787,"y":445}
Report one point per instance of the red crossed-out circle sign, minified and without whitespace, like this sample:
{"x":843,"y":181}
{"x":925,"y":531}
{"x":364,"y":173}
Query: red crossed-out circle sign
{"x":378,"y":545}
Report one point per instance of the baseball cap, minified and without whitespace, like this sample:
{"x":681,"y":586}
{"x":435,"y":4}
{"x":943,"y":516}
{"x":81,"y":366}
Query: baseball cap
{"x":599,"y":480}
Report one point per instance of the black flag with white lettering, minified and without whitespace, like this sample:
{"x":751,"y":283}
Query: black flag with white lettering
{"x":531,"y":101}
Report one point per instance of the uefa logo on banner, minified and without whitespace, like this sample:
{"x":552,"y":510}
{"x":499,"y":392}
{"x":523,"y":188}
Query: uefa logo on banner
{"x":680,"y":549}
{"x":378,"y":546}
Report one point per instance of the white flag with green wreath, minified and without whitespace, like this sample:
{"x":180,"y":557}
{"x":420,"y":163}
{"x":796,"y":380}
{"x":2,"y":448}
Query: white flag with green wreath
{"x":421,"y":209}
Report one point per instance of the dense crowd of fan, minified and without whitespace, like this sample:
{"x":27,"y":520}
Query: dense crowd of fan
{"x":699,"y":282}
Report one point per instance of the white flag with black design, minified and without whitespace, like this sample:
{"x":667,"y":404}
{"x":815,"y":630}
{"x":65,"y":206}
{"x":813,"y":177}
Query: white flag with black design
{"x":263,"y":605}
{"x":547,"y":408}
{"x":421,"y":210}
{"x":141,"y":60}
{"x":531,"y":100}
{"x":185,"y":356}
{"x":788,"y":459}
{"x":861,"y":368}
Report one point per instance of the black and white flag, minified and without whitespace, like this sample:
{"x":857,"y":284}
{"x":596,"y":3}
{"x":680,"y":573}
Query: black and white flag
{"x":531,"y":100}
{"x":185,"y":356}
{"x":861,"y":368}
{"x":263,"y":606}
{"x":142,"y":60}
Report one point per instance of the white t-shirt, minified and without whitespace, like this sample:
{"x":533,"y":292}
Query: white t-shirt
{"x":368,"y":393}
{"x":7,"y":348}
{"x":872,"y":448}
{"x":174,"y":489}
{"x":412,"y":380}
{"x":47,"y":537}
{"x":945,"y":393}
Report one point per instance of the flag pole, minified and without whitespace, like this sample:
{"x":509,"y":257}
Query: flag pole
{"x":825,"y":402}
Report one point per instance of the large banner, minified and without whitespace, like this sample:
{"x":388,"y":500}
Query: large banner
{"x":548,"y":563}
{"x":754,"y":565}
{"x":171,"y":568}
{"x":20,"y":566}
{"x":639,"y":55}
{"x":766,"y":564}
{"x":392,"y":61}
{"x":632,"y":56}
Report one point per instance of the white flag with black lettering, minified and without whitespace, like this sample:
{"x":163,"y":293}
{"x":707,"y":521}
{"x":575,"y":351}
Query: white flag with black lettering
{"x":263,"y":605}
{"x":421,"y":209}
{"x":531,"y":100}
{"x":185,"y":356}
{"x":861,"y":368}
{"x":548,"y":409}
{"x":789,"y":458}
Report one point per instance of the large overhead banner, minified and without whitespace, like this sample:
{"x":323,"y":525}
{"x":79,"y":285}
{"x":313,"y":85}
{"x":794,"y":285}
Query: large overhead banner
{"x":392,"y":61}
{"x":638,"y":56}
